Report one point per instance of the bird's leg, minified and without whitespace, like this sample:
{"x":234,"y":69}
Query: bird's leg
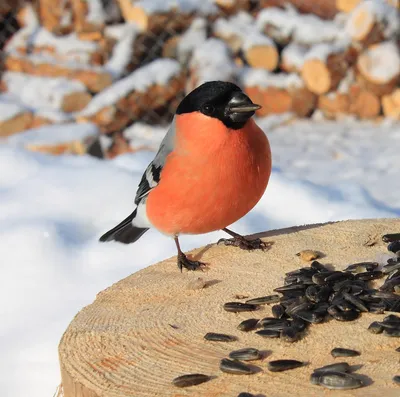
{"x":242,"y":242}
{"x":184,"y":262}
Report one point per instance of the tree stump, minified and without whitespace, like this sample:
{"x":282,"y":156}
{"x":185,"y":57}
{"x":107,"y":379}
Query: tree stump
{"x":147,"y":329}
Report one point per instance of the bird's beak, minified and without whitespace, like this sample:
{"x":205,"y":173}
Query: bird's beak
{"x":240,"y":107}
{"x":245,"y":108}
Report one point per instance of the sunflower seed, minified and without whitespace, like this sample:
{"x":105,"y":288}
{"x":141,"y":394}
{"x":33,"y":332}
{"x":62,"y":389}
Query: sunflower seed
{"x":390,"y":267}
{"x":319,"y":278}
{"x":239,"y":307}
{"x":337,"y":367}
{"x":278,"y":311}
{"x":248,"y":325}
{"x":361,"y":267}
{"x":395,"y":332}
{"x":190,"y":380}
{"x":212,"y":336}
{"x":349,"y":315}
{"x":389,"y":238}
{"x":267,"y":333}
{"x":342,"y":352}
{"x":311,"y":317}
{"x":284,"y":365}
{"x":291,"y":287}
{"x":339,"y":381}
{"x":355,"y":301}
{"x":391,"y":318}
{"x":246,"y":354}
{"x":273,"y":321}
{"x":396,"y":379}
{"x":264,"y":300}
{"x":318,"y":266}
{"x":244,"y":394}
{"x":299,"y":324}
{"x":366,"y":276}
{"x":398,"y":349}
{"x":290,"y":334}
{"x":375,"y":327}
{"x":394,"y":246}
{"x":235,"y":367}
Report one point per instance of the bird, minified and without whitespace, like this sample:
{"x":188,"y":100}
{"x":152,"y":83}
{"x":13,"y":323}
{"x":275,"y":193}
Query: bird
{"x":211,"y":169}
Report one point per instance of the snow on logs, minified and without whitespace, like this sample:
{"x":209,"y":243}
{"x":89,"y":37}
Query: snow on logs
{"x":149,"y":87}
{"x":241,"y":34}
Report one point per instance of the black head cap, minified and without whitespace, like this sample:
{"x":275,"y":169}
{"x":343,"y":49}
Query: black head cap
{"x":222,"y":100}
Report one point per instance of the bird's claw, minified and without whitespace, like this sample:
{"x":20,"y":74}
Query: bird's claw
{"x":184,"y":262}
{"x":245,"y":244}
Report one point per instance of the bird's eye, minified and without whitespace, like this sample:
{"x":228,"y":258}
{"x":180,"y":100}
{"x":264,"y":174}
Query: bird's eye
{"x":208,"y":109}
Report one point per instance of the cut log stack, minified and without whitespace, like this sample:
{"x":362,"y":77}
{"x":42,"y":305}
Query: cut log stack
{"x":332,"y":57}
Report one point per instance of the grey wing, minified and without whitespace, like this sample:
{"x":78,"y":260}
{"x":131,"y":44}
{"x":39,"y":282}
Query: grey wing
{"x":152,"y":175}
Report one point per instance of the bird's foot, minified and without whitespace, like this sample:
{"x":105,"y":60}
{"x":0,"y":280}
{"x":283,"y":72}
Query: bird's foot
{"x":184,"y":262}
{"x":245,"y":244}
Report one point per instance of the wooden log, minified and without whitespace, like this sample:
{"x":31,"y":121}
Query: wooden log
{"x":287,"y":25}
{"x":58,"y":149}
{"x":363,"y":103}
{"x":391,"y":104}
{"x":153,"y":18}
{"x":325,"y":9}
{"x":324,"y":68}
{"x":278,"y":93}
{"x":123,"y":337}
{"x":15,"y":123}
{"x":93,"y":78}
{"x":241,"y":34}
{"x":27,"y":14}
{"x":145,"y":90}
{"x":378,"y":68}
{"x":372,"y":22}
{"x":347,"y":5}
{"x":56,"y":16}
{"x":45,"y":92}
{"x":231,"y":7}
{"x":89,"y":18}
{"x":334,"y":104}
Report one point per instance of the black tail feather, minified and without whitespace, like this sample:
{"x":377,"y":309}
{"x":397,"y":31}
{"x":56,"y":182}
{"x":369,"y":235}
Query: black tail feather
{"x":124,"y":232}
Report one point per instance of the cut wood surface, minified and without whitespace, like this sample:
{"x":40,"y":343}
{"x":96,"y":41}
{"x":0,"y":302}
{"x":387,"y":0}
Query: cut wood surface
{"x":147,"y":329}
{"x":391,"y":104}
{"x":325,"y":9}
{"x":16,"y":123}
{"x":334,"y":104}
{"x":94,"y":79}
{"x":363,"y":103}
{"x":379,"y":68}
{"x":347,"y":5}
{"x":323,"y":74}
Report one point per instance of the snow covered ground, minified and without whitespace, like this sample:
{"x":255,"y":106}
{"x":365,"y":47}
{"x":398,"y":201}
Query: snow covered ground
{"x":53,"y":209}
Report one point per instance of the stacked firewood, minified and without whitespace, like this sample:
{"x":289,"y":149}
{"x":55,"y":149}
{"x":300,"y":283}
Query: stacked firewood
{"x":117,"y":62}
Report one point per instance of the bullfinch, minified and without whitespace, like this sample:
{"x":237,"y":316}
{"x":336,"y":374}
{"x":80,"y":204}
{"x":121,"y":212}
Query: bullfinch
{"x":211,"y":169}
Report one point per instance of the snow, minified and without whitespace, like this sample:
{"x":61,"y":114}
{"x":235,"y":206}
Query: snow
{"x":374,"y":11}
{"x":53,"y":210}
{"x":143,"y":135}
{"x":122,"y":52}
{"x":193,"y":37}
{"x":69,"y":46}
{"x":10,"y":107}
{"x":301,"y":28}
{"x":212,"y":61}
{"x":41,"y":92}
{"x":381,"y":63}
{"x":241,"y":27}
{"x":205,"y":7}
{"x":53,"y":134}
{"x":159,"y":72}
{"x":323,"y":50}
{"x":293,"y":55}
{"x":251,"y":77}
{"x":96,"y":12}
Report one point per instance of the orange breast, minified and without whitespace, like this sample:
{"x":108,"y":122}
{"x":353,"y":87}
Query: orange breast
{"x":210,"y":180}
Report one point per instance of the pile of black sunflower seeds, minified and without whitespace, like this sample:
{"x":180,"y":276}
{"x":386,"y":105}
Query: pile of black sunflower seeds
{"x":311,"y":295}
